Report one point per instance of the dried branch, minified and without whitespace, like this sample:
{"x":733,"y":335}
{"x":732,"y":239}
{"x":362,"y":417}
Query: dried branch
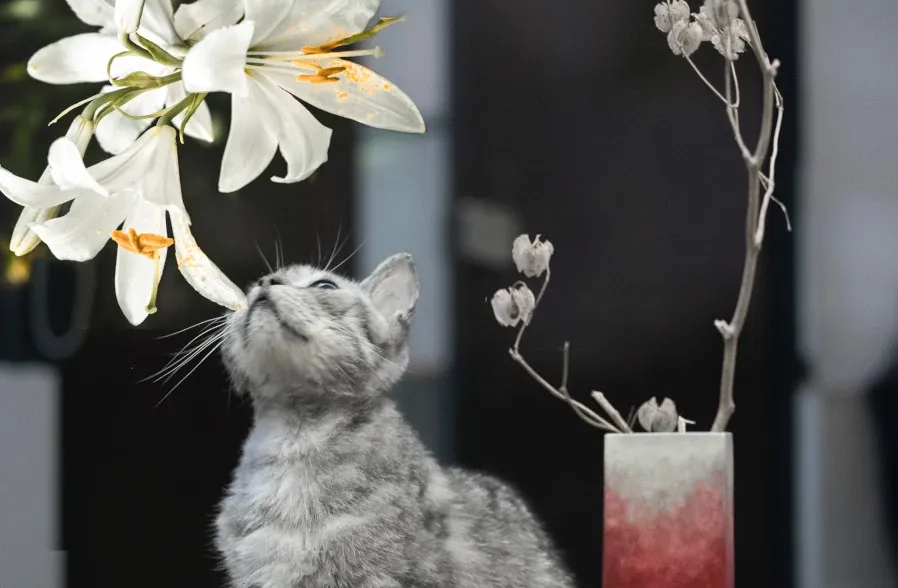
{"x":731,"y":331}
{"x":586,"y":414}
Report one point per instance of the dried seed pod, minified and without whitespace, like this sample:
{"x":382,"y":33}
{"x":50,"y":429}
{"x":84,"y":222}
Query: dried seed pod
{"x":658,"y":419}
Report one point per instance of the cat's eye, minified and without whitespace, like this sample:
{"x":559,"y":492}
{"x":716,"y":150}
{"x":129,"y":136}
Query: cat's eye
{"x":323,"y":285}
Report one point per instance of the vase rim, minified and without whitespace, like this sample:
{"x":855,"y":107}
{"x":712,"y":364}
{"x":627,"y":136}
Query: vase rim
{"x":686,"y":434}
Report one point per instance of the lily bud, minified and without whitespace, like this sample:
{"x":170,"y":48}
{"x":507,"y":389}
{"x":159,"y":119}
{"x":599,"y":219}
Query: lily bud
{"x":24,"y":240}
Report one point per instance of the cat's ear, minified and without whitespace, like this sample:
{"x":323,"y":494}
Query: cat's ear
{"x":393,"y":287}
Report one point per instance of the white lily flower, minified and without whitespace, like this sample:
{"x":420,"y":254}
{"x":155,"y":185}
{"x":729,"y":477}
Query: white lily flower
{"x":137,"y":188}
{"x":84,"y":58}
{"x":23,"y":239}
{"x":284,"y":48}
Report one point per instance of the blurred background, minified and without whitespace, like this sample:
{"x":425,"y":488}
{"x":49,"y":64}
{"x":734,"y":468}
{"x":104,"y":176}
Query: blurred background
{"x":572,"y":120}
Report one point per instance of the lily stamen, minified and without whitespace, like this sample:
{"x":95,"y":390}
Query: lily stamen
{"x":146,"y":244}
{"x":304,"y":56}
{"x":323,"y":75}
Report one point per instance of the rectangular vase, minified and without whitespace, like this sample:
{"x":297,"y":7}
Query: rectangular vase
{"x":668,"y":511}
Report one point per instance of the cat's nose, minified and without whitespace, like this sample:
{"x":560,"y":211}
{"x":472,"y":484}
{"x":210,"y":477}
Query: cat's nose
{"x":271,"y":281}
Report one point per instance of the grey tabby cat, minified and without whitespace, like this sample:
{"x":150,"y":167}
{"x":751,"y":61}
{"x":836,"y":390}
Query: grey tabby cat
{"x":334,"y":489}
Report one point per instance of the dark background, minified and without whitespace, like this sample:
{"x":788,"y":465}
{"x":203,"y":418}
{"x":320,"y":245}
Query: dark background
{"x":575,"y":116}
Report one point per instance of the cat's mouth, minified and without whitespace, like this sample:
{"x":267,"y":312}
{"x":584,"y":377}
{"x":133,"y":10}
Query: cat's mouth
{"x":264,"y":303}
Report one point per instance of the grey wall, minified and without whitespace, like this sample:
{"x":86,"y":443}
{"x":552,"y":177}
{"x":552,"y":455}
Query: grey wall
{"x":29,"y":477}
{"x":848,"y":297}
{"x":403,"y":200}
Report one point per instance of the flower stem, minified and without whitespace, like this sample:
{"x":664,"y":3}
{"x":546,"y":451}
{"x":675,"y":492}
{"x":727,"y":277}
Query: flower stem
{"x":130,"y":45}
{"x":91,"y":109}
{"x":173,"y":111}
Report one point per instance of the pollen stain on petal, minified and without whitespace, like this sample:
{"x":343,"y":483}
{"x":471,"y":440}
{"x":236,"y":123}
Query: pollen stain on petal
{"x":343,"y":95}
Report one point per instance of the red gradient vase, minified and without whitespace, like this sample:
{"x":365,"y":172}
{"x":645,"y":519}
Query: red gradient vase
{"x":668,"y":510}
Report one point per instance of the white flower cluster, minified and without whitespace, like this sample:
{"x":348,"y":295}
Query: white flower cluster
{"x":717,"y":21}
{"x":161,"y":64}
{"x":516,"y":304}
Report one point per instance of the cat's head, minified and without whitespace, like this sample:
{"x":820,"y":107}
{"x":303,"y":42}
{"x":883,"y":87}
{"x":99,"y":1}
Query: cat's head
{"x":306,"y":331}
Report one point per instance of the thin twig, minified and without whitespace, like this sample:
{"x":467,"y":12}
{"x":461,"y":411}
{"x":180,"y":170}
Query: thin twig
{"x":611,"y":411}
{"x":735,"y":83}
{"x":733,"y":329}
{"x":733,"y":107}
{"x":707,"y":83}
{"x":769,"y":181}
{"x":631,"y":418}
{"x":582,"y":411}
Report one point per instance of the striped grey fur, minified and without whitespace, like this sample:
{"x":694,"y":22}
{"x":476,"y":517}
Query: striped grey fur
{"x":334,"y":489}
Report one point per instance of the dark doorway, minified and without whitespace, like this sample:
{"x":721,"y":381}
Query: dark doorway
{"x":578,"y":120}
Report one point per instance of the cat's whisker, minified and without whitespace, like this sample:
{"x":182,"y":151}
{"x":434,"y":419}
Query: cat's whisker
{"x":348,"y":257}
{"x":338,"y":246}
{"x":278,"y":250}
{"x":193,"y":326}
{"x":167,"y":373}
{"x":209,"y":335}
{"x":265,"y":259}
{"x":187,"y":375}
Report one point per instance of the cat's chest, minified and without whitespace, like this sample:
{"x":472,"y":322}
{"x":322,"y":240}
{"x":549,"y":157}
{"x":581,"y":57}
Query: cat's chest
{"x":266,"y":493}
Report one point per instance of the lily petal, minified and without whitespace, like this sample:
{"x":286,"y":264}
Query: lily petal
{"x":360,"y":94}
{"x":82,"y":232}
{"x":137,"y":277}
{"x":199,"y":271}
{"x":315,"y":22}
{"x":116,"y":132}
{"x":68,"y":169}
{"x":161,"y":181}
{"x":75,"y":59}
{"x":27,"y":193}
{"x":158,"y":21}
{"x":127,"y":15}
{"x":98,"y":13}
{"x":200,"y":124}
{"x":150,"y":164}
{"x":251,"y":143}
{"x":195,"y":20}
{"x":216,"y":64}
{"x":303,"y":141}
{"x":267,"y":15}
